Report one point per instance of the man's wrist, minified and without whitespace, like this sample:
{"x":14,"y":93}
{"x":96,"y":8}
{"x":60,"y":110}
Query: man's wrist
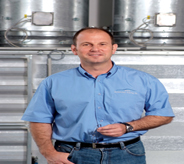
{"x":129,"y":128}
{"x":47,"y":150}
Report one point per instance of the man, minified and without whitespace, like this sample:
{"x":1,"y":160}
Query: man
{"x":94,"y":112}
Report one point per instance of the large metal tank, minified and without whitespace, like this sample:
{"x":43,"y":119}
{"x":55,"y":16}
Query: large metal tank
{"x":130,"y":14}
{"x":22,"y":17}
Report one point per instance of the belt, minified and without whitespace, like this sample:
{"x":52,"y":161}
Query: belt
{"x":101,"y":145}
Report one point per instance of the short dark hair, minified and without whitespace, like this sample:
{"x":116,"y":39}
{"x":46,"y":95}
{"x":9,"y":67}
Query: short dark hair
{"x":92,"y":28}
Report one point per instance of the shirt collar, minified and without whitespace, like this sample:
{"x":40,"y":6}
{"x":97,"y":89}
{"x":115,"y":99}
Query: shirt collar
{"x":83,"y":72}
{"x":113,"y":70}
{"x":109,"y":74}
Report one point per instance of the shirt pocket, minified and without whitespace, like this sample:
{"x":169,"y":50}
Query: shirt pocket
{"x":127,"y":104}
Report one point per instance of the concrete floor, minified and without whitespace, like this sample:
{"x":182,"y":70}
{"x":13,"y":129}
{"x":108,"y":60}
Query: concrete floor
{"x":166,"y":157}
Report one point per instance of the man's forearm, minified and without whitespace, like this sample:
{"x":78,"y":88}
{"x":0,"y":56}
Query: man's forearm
{"x":42,"y":133}
{"x":150,"y":122}
{"x":145,"y":123}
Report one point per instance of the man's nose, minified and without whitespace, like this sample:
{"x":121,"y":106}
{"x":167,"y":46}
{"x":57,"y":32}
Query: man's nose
{"x":95,"y":48}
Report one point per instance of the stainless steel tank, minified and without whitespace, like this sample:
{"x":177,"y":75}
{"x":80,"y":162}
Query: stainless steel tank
{"x":130,"y":14}
{"x":67,"y":16}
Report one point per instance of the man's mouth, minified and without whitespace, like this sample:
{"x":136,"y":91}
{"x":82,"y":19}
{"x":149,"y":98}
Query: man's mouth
{"x":95,"y":55}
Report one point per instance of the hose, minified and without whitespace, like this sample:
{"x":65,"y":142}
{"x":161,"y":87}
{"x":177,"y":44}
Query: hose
{"x":18,"y":29}
{"x":143,"y":29}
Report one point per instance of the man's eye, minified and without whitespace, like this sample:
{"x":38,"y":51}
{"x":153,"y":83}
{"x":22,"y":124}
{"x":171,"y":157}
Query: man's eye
{"x":86,"y":44}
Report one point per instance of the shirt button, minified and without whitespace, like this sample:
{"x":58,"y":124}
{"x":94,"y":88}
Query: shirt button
{"x":99,"y":93}
{"x":99,"y":107}
{"x":101,"y":120}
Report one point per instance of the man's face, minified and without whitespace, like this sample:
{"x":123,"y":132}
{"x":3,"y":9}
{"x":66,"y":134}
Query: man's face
{"x":94,"y":47}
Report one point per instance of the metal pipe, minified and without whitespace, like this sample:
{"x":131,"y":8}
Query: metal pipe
{"x":128,"y":48}
{"x":29,"y":147}
{"x":41,"y":52}
{"x":32,"y":50}
{"x":29,"y":78}
{"x":49,"y":66}
{"x":23,"y":54}
{"x":165,"y":48}
{"x":150,"y":53}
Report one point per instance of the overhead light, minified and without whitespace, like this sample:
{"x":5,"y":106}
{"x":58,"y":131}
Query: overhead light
{"x":165,"y":19}
{"x":42,"y":18}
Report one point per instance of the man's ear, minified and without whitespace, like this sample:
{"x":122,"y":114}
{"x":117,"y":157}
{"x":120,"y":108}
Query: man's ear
{"x":114,"y":48}
{"x":74,"y":49}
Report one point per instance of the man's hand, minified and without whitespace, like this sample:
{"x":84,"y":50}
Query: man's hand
{"x":112,"y":130}
{"x":58,"y":158}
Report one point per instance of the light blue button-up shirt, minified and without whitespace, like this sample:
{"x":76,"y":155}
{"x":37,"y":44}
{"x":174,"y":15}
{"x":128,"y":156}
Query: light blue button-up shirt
{"x":77,"y":103}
